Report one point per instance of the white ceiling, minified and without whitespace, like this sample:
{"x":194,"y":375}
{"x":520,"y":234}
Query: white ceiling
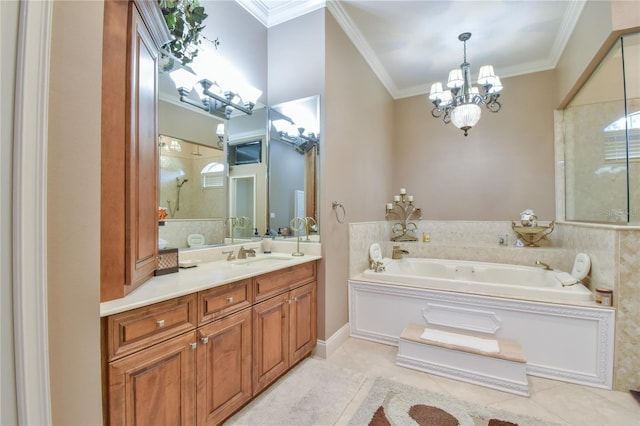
{"x":411,"y":44}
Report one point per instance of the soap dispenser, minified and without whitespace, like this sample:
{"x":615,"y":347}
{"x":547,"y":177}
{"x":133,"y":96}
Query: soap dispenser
{"x":266,"y":243}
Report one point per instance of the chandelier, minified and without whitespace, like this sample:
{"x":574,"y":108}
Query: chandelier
{"x":461,"y":103}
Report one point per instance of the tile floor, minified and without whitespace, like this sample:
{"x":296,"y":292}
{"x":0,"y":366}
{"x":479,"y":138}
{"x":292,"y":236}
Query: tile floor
{"x":551,"y":400}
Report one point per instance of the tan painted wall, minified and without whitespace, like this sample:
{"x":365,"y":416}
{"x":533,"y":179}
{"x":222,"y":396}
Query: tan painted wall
{"x":296,"y":59}
{"x":591,"y":31}
{"x":502,"y":167}
{"x":600,"y":23}
{"x":625,"y":15}
{"x":356,"y":161}
{"x":73,"y":213}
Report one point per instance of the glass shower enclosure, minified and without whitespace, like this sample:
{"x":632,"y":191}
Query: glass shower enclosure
{"x":602,"y":141}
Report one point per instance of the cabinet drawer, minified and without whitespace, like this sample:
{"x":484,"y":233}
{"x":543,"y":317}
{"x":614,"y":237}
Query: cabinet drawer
{"x":220,"y":301}
{"x":136,"y":329}
{"x":275,"y":282}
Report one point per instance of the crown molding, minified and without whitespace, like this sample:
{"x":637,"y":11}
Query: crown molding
{"x":569,"y":21}
{"x":360,"y":42}
{"x":271,"y":13}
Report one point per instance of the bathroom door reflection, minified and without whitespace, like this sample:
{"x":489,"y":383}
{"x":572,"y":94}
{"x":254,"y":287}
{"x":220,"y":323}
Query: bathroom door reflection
{"x":242,"y":201}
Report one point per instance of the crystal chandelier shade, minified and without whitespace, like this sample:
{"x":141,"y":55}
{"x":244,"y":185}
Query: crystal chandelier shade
{"x":460,"y":102}
{"x":466,"y":116}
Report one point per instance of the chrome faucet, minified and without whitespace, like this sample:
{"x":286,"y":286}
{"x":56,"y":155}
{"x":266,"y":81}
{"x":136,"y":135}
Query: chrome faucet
{"x":243,"y":253}
{"x":398,"y":252}
{"x":230,"y":255}
{"x":544,"y":265}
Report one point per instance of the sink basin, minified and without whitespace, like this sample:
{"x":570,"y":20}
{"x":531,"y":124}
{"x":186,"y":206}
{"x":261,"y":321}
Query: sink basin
{"x":261,"y":261}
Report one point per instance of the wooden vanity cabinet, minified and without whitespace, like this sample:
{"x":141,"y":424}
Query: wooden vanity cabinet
{"x":133,"y":33}
{"x":151,"y":364}
{"x":184,"y":361}
{"x":197,"y":359}
{"x":284,"y":325}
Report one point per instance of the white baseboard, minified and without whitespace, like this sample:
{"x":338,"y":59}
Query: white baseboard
{"x":325,"y":348}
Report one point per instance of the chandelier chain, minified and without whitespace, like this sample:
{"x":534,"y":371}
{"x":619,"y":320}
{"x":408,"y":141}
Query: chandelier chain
{"x":464,"y":43}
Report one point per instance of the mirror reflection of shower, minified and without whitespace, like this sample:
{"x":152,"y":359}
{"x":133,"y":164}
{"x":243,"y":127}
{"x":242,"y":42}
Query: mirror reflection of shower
{"x":176,"y":208}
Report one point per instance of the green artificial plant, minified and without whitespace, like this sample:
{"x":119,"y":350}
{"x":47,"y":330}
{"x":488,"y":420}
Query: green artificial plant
{"x":184,"y":19}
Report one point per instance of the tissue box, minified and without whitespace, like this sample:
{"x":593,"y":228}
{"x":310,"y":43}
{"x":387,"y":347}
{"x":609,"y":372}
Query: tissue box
{"x":167,"y":261}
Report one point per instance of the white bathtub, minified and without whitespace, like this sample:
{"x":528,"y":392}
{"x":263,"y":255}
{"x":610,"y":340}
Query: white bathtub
{"x":495,"y":279}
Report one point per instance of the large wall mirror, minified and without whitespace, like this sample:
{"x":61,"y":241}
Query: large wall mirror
{"x":294,"y":134}
{"x":192,"y":179}
{"x":228,"y":179}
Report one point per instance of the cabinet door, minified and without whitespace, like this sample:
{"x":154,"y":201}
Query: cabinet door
{"x":155,"y":386}
{"x":270,"y":340}
{"x":224,"y":367}
{"x":303,"y":323}
{"x":142,"y":155}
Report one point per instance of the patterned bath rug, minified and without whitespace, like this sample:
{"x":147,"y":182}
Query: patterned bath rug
{"x":313,"y":393}
{"x":394,"y":404}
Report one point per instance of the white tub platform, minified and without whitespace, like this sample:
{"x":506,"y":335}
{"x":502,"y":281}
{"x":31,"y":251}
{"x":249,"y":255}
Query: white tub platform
{"x":572,"y":343}
{"x":505,"y":370}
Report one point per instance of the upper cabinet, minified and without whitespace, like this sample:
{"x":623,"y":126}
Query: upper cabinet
{"x":134,"y":31}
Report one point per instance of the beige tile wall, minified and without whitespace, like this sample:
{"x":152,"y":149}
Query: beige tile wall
{"x":627,"y":361}
{"x":175,"y":231}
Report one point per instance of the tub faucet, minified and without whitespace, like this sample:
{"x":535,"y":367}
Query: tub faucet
{"x":398,"y":252}
{"x":376,"y":265}
{"x":544,"y":265}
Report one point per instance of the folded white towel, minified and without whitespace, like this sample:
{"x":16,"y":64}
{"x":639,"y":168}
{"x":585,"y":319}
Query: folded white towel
{"x":565,"y":278}
{"x":478,"y":343}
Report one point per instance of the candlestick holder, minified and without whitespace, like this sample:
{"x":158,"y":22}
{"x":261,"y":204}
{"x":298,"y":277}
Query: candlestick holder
{"x":404,"y":209}
{"x":299,"y":224}
{"x":236,"y":223}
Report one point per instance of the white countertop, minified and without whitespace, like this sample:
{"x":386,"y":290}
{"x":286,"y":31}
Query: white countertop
{"x":204,"y":276}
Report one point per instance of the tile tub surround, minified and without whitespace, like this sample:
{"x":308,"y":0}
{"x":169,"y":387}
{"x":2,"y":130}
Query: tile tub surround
{"x":613,"y":251}
{"x":461,"y":240}
{"x":175,"y":231}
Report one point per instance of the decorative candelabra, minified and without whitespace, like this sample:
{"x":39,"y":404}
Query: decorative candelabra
{"x":532,"y":234}
{"x":404,"y":209}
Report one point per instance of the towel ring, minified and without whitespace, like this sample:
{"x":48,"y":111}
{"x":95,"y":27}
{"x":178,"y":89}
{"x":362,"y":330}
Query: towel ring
{"x":336,"y":205}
